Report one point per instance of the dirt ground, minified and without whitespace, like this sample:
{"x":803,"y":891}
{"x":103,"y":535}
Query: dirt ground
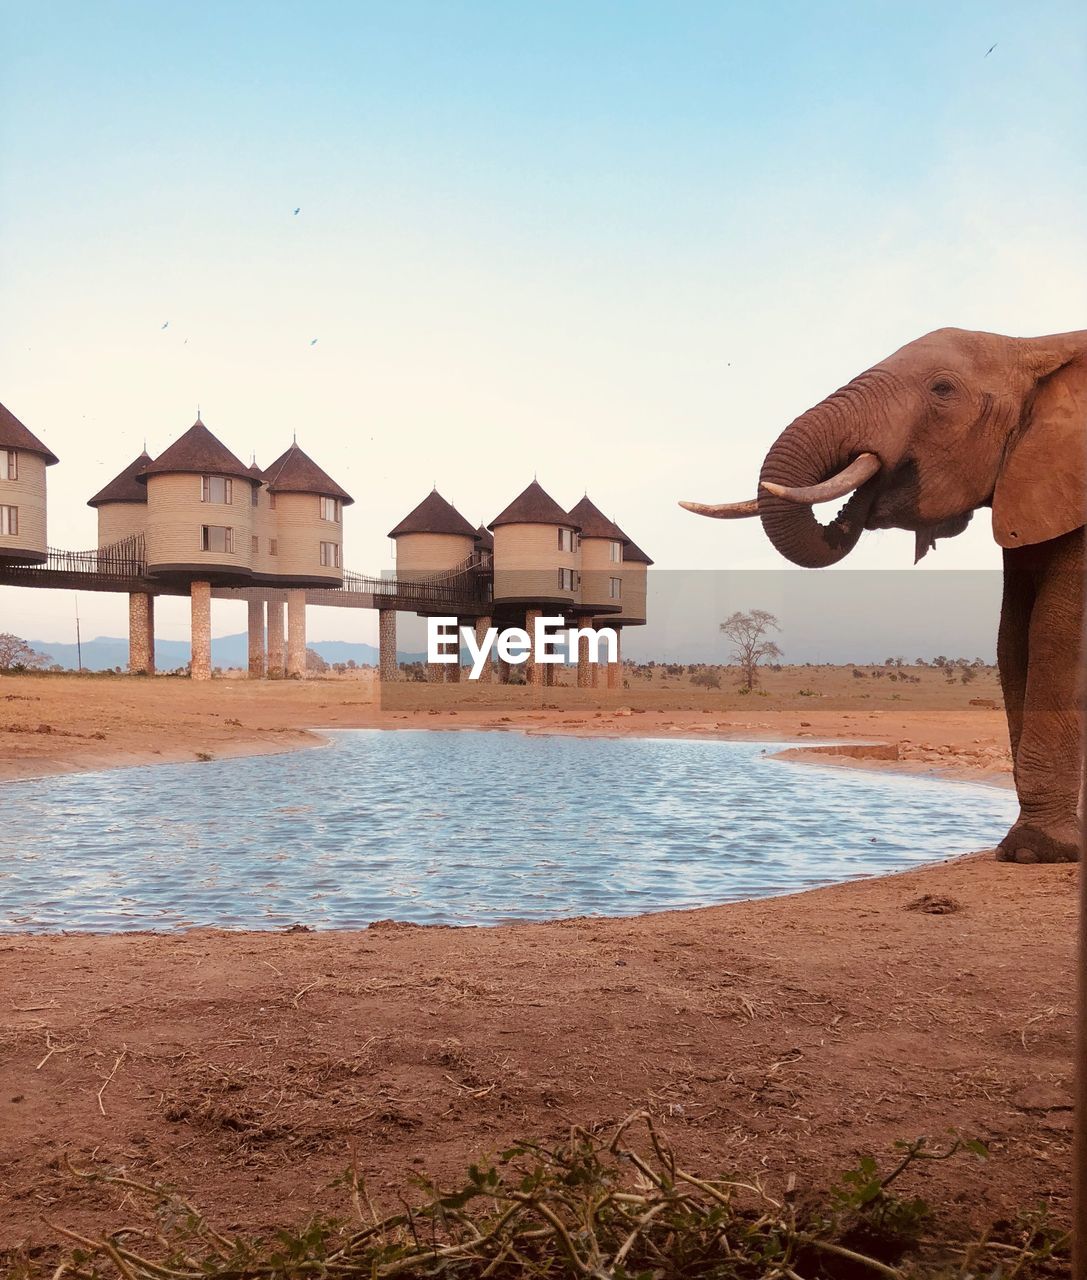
{"x":794,"y":1033}
{"x":56,"y":724}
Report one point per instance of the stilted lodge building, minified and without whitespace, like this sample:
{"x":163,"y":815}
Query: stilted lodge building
{"x":537,"y":557}
{"x":537,"y":560}
{"x":197,"y":520}
{"x":122,"y":504}
{"x":433,"y":538}
{"x":304,"y":531}
{"x":23,"y":460}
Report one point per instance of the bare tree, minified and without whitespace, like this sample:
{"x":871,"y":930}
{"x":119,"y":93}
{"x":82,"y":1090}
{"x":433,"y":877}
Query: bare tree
{"x":17,"y":655}
{"x":748,"y":633}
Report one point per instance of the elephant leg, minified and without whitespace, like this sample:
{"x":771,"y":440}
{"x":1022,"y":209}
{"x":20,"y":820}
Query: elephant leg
{"x":1012,"y":642}
{"x":1047,"y":753}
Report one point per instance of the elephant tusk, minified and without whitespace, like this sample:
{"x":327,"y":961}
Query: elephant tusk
{"x":724,"y":510}
{"x":862,"y":468}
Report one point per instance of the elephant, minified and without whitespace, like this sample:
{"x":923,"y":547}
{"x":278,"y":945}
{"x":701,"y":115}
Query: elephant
{"x":951,"y":422}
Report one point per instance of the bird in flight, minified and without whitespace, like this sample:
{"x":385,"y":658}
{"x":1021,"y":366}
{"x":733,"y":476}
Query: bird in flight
{"x":313,"y":343}
{"x":166,"y":325}
{"x":987,"y":52}
{"x":298,"y":211}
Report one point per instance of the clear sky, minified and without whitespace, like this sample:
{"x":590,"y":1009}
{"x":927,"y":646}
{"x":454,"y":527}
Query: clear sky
{"x":618,"y":245}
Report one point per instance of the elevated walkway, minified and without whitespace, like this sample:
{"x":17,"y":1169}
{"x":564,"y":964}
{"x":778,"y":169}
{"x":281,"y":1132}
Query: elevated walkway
{"x":274,"y":648}
{"x":122,"y":567}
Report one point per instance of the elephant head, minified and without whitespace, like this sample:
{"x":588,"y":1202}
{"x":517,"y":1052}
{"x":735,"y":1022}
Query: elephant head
{"x":951,"y":422}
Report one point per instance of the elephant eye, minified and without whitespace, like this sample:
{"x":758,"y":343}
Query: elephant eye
{"x":942,"y":388}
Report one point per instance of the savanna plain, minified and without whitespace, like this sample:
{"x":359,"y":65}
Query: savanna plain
{"x":784,"y":1038}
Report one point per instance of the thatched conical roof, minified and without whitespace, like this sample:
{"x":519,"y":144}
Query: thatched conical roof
{"x":296,"y":472}
{"x":593,"y":523}
{"x":13,"y":435}
{"x":197,"y":452}
{"x":533,"y":505}
{"x":434,"y":515}
{"x":125,"y":486}
{"x":633,"y":554}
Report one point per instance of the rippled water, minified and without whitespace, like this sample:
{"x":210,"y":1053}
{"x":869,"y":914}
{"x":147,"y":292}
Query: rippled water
{"x":461,"y":827}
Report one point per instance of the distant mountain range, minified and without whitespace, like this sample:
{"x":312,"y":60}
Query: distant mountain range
{"x":106,"y":652}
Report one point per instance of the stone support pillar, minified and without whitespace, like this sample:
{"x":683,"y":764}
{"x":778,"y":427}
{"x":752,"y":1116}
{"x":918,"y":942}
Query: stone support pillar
{"x":435,"y":673}
{"x":585,"y":669}
{"x":615,"y":669}
{"x":277,"y":652}
{"x":503,"y":671}
{"x":256,"y":639}
{"x":141,"y":634}
{"x":486,"y":674}
{"x":453,"y":669}
{"x":296,"y":633}
{"x":388,"y":668}
{"x":200,"y":667}
{"x":533,"y":672}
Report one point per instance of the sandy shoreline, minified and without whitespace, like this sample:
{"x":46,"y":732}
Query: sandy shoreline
{"x":63,"y":725}
{"x":786,"y":1033}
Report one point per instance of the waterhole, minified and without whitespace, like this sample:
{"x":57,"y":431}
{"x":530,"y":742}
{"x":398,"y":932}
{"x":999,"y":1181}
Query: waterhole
{"x":464,"y":828}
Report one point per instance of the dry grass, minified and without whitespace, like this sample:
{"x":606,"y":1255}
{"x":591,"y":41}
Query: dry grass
{"x":593,"y":1206}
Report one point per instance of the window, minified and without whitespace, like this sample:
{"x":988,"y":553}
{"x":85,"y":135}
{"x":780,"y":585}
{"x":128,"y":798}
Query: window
{"x":615,"y":591}
{"x":9,"y":521}
{"x":568,"y":580}
{"x":330,"y":555}
{"x":615,"y":552}
{"x":9,"y":465}
{"x":216,"y":489}
{"x":256,"y":546}
{"x":256,"y":495}
{"x":331,"y":509}
{"x":568,"y":540}
{"x":273,"y":546}
{"x":214,"y":537}
{"x":272,"y":501}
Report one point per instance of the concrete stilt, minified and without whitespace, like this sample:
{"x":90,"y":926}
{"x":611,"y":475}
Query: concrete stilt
{"x":486,"y":674}
{"x":453,"y":670}
{"x":615,"y":669}
{"x":584,"y":668}
{"x":296,"y":633}
{"x":200,"y":667}
{"x":141,"y":634}
{"x":388,"y":668}
{"x":277,"y":652}
{"x":533,"y":672}
{"x":256,"y":639}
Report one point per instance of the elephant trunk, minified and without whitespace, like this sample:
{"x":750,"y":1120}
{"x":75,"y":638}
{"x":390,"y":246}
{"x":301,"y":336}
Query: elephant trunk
{"x":817,"y":446}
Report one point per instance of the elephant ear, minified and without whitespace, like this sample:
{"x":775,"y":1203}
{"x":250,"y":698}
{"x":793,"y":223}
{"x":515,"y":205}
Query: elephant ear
{"x":1041,"y":491}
